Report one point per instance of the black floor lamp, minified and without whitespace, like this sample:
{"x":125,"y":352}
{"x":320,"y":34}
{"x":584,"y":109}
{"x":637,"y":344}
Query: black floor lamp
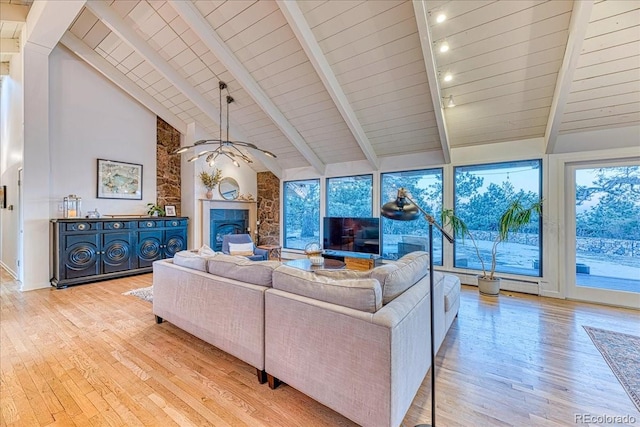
{"x":405,"y":209}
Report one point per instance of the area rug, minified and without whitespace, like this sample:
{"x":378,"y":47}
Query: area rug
{"x":142,"y":293}
{"x":622,"y":353}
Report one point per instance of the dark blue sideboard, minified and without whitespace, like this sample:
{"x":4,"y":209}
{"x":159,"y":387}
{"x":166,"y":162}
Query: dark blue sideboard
{"x":89,"y":250}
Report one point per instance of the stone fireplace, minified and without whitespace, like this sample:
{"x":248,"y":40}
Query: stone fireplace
{"x":226,"y":221}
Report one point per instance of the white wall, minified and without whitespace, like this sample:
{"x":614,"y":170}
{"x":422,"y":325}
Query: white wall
{"x":11,"y":140}
{"x":90,"y":119}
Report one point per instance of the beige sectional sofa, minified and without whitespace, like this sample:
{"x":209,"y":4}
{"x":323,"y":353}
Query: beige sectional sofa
{"x":357,"y":342}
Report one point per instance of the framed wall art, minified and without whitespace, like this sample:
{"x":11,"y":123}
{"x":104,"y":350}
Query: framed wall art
{"x":119,"y":180}
{"x":3,"y":196}
{"x":170,"y":210}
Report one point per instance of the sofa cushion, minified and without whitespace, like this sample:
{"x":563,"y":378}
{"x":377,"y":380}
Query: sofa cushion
{"x":398,"y":276}
{"x":191,"y":259}
{"x":242,"y":269}
{"x":359,"y":294}
{"x":241,"y":248}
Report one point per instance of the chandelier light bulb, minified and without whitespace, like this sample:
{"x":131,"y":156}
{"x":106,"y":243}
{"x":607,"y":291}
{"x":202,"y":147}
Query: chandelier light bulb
{"x":441,"y":17}
{"x":444,"y":47}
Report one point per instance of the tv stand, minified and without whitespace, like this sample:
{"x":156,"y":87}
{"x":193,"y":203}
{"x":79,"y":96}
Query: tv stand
{"x":355,"y":260}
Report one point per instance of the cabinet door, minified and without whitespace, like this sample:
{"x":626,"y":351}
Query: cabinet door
{"x":149,"y":247}
{"x":117,"y":252}
{"x":175,"y":241}
{"x":80,"y":256}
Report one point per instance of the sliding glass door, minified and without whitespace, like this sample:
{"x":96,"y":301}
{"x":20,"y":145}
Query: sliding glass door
{"x":603,"y":232}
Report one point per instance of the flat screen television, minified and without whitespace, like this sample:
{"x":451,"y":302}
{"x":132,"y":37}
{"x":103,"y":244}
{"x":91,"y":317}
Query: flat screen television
{"x":352,"y":234}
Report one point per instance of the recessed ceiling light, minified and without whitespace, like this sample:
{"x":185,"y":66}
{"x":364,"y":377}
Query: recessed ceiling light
{"x":441,"y":17}
{"x":444,"y":46}
{"x":448,"y":77}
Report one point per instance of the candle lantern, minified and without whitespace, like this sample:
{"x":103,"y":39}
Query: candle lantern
{"x":71,"y":206}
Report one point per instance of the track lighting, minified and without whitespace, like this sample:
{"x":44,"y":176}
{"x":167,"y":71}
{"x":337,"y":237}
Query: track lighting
{"x":450,"y":103}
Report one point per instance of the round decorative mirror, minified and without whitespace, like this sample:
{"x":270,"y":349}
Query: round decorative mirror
{"x":229,"y":188}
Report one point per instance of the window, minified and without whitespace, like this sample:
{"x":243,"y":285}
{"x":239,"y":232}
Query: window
{"x":301,"y":213}
{"x":401,"y":237}
{"x":482,"y":193}
{"x":350,"y":196}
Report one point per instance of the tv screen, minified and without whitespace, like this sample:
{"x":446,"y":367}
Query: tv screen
{"x":352,"y":234}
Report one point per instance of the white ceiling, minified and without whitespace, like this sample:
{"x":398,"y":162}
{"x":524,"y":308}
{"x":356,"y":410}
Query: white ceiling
{"x":321,"y":82}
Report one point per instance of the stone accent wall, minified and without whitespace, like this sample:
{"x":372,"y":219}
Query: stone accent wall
{"x":168,"y":165}
{"x":268,"y":208}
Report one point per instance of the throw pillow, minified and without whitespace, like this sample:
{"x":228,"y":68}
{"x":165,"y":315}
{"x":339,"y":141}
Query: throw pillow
{"x":205,"y":250}
{"x":241,"y":248}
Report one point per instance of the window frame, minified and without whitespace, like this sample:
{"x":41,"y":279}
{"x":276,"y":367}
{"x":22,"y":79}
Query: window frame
{"x":540,"y":163}
{"x":425,"y":171}
{"x":284,"y":209}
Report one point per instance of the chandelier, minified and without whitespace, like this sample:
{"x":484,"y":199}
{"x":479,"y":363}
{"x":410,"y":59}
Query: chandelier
{"x":223,"y":147}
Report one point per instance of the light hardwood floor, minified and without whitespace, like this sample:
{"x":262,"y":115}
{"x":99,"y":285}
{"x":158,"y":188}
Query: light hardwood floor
{"x":88,"y":355}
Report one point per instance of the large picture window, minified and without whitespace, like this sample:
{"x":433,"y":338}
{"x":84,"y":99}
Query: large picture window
{"x":350,"y":196}
{"x":401,"y":237}
{"x":482,"y":193}
{"x":301,"y":213}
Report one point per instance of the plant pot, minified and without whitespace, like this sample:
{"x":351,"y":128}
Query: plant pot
{"x":209,"y":194}
{"x":489,"y":287}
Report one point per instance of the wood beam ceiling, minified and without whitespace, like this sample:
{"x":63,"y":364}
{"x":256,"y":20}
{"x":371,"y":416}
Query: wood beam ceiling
{"x":129,"y":36}
{"x":580,"y":16}
{"x":303,"y":33}
{"x":216,"y":45}
{"x":420,"y":9}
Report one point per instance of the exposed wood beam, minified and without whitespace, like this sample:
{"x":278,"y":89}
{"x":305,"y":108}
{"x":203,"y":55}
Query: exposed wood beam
{"x":9,"y":46}
{"x":301,"y":29}
{"x":420,"y":11}
{"x":13,"y":13}
{"x":203,"y":30}
{"x":129,"y":36}
{"x":48,"y":21}
{"x":105,"y":68}
{"x":577,"y":29}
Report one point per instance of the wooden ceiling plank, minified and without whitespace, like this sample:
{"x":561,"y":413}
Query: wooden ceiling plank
{"x":420,"y":8}
{"x":606,"y":41}
{"x":614,"y":23}
{"x":135,"y":41}
{"x":201,"y":27}
{"x":485,"y":15}
{"x":470,"y":48}
{"x":578,"y":27}
{"x":383,"y":24}
{"x":9,"y":46}
{"x":101,"y":65}
{"x":303,"y":33}
{"x":14,"y":13}
{"x":610,"y":54}
{"x":606,"y":68}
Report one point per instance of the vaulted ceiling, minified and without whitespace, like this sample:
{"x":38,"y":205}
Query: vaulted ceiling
{"x":321,"y":82}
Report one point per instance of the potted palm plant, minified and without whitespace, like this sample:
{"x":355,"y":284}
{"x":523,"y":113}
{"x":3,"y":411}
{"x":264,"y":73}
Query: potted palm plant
{"x":210,"y":180}
{"x":514,"y":217}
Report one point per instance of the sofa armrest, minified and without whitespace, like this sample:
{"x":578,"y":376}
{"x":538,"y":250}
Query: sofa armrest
{"x":263,"y":252}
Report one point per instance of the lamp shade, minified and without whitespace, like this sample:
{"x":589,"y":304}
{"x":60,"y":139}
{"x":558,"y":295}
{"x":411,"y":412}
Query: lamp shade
{"x":400,"y":209}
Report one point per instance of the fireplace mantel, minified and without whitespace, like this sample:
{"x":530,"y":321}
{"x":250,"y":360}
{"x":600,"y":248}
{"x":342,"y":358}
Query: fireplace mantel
{"x":208,"y":204}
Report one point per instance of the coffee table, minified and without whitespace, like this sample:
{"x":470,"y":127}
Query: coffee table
{"x":305,"y":264}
